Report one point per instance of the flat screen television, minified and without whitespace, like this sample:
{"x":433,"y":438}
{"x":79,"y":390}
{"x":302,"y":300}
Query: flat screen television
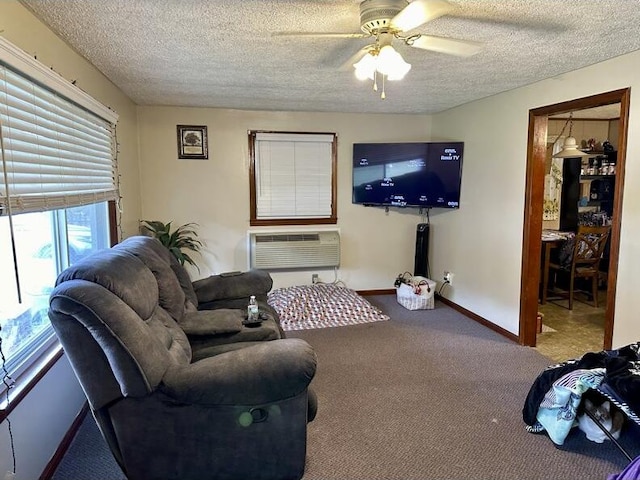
{"x":420,"y":174}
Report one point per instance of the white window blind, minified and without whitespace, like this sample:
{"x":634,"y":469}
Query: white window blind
{"x":293,"y":175}
{"x":56,"y":154}
{"x":57,"y":150}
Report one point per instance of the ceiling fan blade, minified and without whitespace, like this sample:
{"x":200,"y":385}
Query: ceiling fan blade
{"x":451,"y":46}
{"x":320,"y":34}
{"x":419,"y":12}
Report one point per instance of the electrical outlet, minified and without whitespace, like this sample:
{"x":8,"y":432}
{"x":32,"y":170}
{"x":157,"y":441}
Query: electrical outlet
{"x":448,"y":277}
{"x":315,"y":278}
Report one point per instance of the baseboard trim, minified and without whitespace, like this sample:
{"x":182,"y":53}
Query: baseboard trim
{"x":385,"y":291}
{"x":467,"y":313}
{"x":481,"y":320}
{"x":53,"y":464}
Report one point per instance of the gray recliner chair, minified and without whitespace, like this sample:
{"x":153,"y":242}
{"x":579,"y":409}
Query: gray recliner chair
{"x":177,"y":392}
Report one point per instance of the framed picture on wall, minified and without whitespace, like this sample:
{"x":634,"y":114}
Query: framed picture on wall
{"x":192,"y":142}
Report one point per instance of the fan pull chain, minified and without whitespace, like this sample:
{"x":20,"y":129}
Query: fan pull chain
{"x":375,"y":81}
{"x":383,"y":95}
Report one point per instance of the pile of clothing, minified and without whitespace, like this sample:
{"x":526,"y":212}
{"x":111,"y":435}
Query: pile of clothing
{"x":552,"y":402}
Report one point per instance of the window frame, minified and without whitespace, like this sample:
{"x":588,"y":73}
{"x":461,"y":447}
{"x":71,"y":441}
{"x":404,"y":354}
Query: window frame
{"x":332,"y":219}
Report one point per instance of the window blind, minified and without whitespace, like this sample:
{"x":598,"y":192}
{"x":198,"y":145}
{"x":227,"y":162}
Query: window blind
{"x":293,"y":175}
{"x":56,"y":154}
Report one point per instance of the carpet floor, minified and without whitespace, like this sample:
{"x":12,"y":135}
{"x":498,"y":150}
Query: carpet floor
{"x":429,"y":394}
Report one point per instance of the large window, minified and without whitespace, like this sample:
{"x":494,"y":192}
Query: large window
{"x":45,"y":244}
{"x":57,"y":174}
{"x":293,"y":178}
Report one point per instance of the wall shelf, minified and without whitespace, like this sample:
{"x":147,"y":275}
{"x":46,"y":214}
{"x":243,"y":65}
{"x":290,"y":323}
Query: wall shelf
{"x":588,"y":178}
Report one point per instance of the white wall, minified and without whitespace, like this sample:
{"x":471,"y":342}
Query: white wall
{"x":42,"y":419}
{"x":214,"y":193}
{"x":483,"y":244}
{"x":40,"y":422}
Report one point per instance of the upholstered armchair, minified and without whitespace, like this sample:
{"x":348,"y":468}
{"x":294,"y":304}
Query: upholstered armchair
{"x":234,"y":408}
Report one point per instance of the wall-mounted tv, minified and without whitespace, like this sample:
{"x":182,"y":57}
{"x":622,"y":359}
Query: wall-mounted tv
{"x":426,"y":174}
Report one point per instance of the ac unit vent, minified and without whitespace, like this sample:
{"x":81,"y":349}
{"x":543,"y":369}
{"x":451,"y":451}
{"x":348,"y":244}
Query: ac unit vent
{"x":297,"y":237}
{"x":304,"y":250}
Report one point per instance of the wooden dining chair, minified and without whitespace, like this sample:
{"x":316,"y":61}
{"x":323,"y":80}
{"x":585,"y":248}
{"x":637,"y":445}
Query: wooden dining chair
{"x":585,"y":261}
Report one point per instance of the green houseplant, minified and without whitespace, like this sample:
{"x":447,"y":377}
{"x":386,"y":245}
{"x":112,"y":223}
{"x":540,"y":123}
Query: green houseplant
{"x":177,"y":241}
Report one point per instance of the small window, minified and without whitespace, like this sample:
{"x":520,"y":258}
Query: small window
{"x":293,"y":178}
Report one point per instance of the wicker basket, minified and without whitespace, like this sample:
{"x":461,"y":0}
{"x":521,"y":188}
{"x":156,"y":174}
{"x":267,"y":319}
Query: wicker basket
{"x":424,"y":300}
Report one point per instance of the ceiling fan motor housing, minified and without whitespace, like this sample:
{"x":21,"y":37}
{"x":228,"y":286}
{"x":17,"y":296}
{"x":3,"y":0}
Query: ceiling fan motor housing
{"x":376,"y":15}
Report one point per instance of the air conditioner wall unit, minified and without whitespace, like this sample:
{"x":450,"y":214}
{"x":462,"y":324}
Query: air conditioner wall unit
{"x":296,"y":249}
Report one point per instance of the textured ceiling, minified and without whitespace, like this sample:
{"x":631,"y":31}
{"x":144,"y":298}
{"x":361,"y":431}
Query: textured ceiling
{"x":222,"y":53}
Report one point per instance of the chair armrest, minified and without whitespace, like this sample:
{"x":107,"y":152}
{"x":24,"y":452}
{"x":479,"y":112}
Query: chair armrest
{"x":212,"y":322}
{"x":258,"y":374}
{"x":233,"y":286}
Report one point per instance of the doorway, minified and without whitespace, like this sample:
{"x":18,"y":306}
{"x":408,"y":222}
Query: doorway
{"x":533,"y":213}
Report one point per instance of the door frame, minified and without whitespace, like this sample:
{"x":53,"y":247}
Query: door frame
{"x":534,"y":192}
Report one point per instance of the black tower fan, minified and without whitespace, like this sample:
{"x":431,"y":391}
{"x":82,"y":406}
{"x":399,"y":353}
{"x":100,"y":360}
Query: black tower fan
{"x":421,"y":265}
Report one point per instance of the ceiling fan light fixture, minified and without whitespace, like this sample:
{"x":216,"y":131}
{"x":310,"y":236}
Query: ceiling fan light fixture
{"x":399,"y":73}
{"x":366,"y":67}
{"x":396,"y":67}
{"x":387,"y":61}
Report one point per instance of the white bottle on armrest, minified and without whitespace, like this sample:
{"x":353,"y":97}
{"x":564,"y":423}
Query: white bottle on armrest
{"x":252,"y":310}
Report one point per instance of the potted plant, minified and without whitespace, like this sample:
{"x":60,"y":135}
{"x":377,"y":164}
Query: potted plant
{"x":182,"y":238}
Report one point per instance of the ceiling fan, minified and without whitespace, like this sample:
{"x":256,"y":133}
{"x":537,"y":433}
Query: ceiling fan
{"x":388,"y":19}
{"x":384,"y":20}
